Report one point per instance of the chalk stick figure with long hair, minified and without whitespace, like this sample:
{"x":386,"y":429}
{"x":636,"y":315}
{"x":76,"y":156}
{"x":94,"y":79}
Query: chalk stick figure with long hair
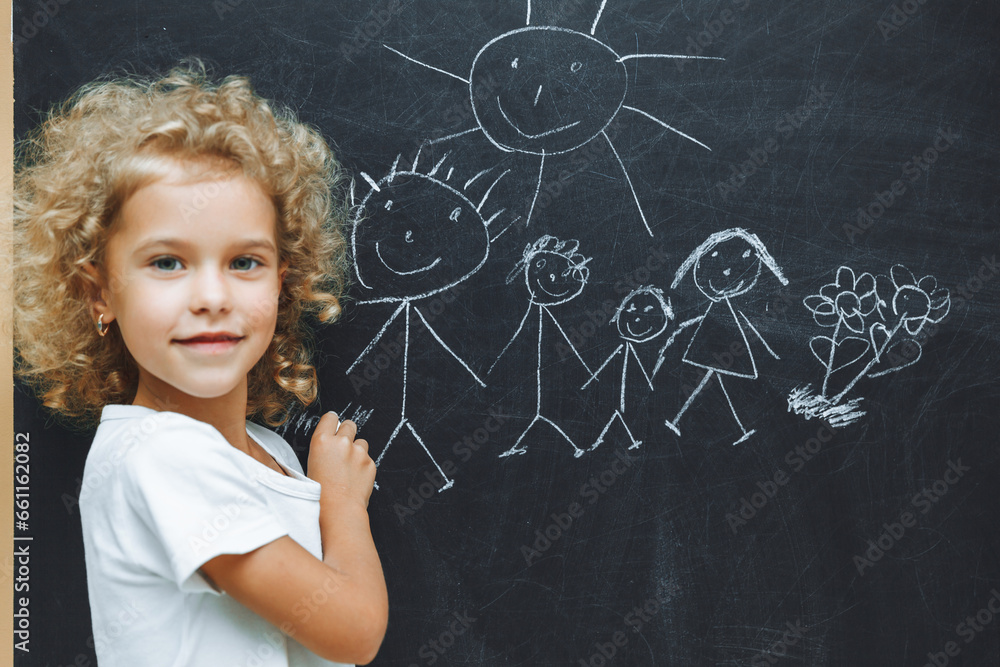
{"x":727,"y":264}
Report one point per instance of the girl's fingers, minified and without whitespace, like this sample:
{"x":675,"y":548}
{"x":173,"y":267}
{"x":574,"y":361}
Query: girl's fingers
{"x":348,"y":429}
{"x":331,"y":420}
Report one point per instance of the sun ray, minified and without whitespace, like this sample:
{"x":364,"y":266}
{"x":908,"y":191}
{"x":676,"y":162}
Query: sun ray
{"x":490,"y":189}
{"x":628,"y":180}
{"x":439,"y":163}
{"x":452,"y":136}
{"x":672,"y":129}
{"x":454,"y":76}
{"x":598,"y":17}
{"x":473,"y":179}
{"x":416,"y":158}
{"x":352,"y":193}
{"x":372,"y":183}
{"x":667,"y":55}
{"x":504,"y":230}
{"x":527,"y":20}
{"x":493,"y":217}
{"x":392,"y":170}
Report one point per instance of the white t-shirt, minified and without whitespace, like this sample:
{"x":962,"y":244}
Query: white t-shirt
{"x":162,"y":494}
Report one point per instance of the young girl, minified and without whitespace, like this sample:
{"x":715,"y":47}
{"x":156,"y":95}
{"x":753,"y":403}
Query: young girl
{"x":170,"y":236}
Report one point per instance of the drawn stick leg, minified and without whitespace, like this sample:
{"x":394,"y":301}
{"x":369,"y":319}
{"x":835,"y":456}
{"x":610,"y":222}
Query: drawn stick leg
{"x":448,"y":482}
{"x":516,"y":449}
{"x":577,"y":452}
{"x":672,"y":423}
{"x":388,"y":442}
{"x":406,"y":422}
{"x":746,"y":433}
{"x":620,"y":417}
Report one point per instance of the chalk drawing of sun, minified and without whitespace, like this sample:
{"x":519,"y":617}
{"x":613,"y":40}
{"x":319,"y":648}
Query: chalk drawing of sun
{"x":546,"y":90}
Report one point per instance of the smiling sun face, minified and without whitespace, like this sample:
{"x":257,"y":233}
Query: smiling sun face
{"x":415,"y":236}
{"x":728,"y":269}
{"x":545,"y":90}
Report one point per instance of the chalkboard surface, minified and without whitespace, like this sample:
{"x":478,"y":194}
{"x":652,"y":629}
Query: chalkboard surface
{"x":672,"y":326}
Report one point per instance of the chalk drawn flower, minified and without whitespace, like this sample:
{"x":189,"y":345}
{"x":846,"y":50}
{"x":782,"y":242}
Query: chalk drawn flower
{"x":915,"y":302}
{"x":899,"y":302}
{"x":848,"y":300}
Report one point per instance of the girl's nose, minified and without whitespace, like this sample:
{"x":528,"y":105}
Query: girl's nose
{"x":210,"y":292}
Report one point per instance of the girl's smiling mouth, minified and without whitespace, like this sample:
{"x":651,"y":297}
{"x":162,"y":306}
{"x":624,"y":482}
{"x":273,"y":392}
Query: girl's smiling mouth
{"x":211,"y":343}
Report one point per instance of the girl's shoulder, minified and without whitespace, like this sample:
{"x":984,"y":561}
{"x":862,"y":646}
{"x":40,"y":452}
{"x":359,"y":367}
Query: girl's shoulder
{"x":275,"y":445}
{"x":131,"y":439}
{"x":125,"y":426}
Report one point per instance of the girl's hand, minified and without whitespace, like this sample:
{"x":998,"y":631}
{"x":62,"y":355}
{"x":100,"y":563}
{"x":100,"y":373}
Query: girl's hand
{"x":278,"y":580}
{"x":339,"y":461}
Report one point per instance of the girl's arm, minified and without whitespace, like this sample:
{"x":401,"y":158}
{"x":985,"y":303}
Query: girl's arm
{"x":336,"y":607}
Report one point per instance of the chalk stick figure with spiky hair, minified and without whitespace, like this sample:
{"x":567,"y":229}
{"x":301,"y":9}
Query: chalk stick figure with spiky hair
{"x":642,"y":316}
{"x":554,"y":272}
{"x":414,"y":235}
{"x":727,"y":264}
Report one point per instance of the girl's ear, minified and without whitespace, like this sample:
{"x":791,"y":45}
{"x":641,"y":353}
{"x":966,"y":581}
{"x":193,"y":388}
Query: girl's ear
{"x":99,"y":294}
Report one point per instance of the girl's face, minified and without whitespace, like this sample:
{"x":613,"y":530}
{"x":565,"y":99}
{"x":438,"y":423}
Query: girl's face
{"x":192,"y":279}
{"x":728,"y":269}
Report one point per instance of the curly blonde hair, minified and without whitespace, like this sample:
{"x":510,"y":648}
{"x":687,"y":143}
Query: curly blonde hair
{"x":95,"y":150}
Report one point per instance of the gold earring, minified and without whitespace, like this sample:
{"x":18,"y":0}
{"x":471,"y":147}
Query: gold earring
{"x":101,"y":328}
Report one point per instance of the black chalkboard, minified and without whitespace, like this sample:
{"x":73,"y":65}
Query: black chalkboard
{"x":781,"y":218}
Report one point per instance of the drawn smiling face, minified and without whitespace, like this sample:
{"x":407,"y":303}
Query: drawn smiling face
{"x":728,"y":269}
{"x":545,"y":90}
{"x":416,"y":236}
{"x":553,"y":278}
{"x":643,"y":315}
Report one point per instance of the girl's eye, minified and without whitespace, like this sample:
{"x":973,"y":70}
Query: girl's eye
{"x":245,"y":263}
{"x":166,"y":263}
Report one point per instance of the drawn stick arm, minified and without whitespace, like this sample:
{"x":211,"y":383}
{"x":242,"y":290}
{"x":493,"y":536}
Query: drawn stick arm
{"x":378,"y":337}
{"x":512,"y":339}
{"x":759,"y":337}
{"x":670,"y":341}
{"x":568,"y":341}
{"x":606,"y":362}
{"x":648,"y":376}
{"x":445,"y":346}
